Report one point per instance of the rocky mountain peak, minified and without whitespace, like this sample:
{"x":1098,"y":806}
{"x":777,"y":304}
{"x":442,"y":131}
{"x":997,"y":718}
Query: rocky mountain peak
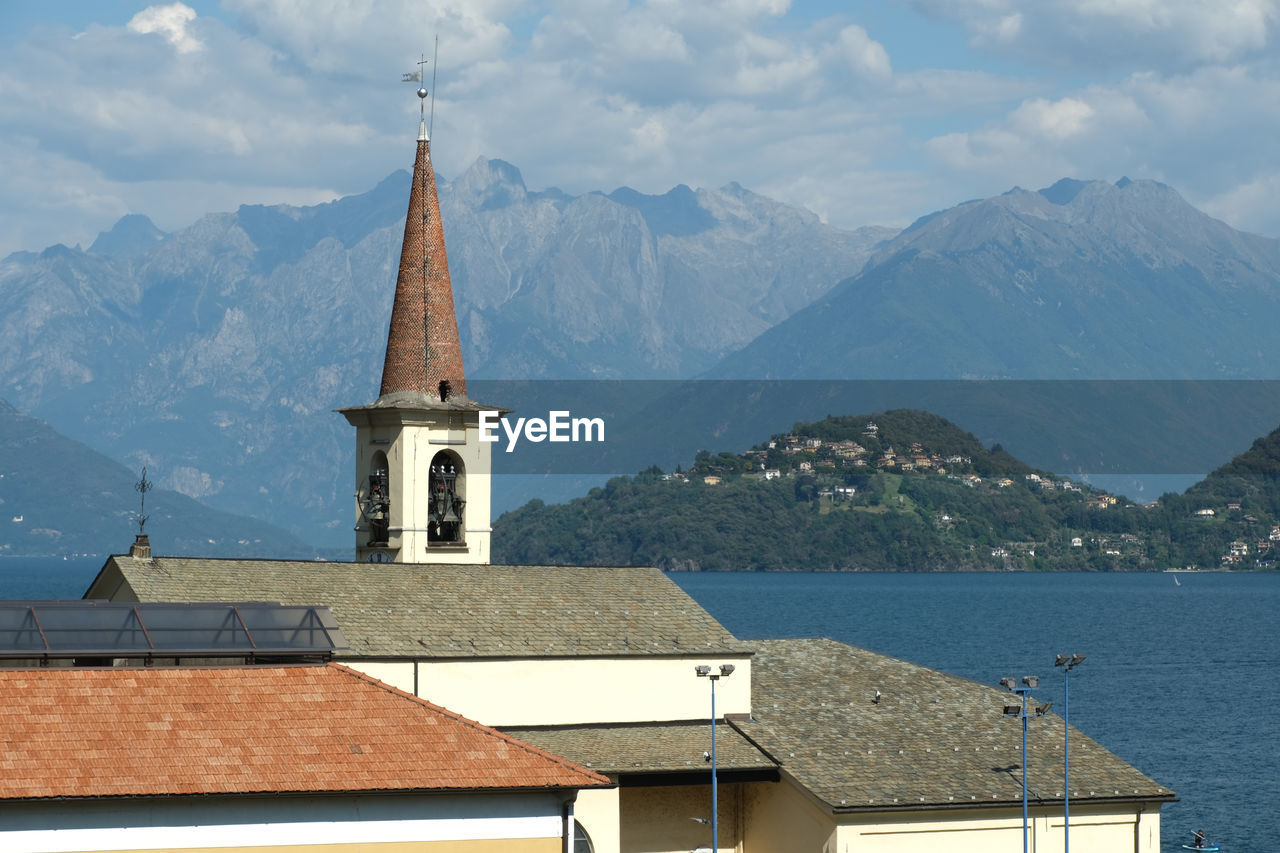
{"x":489,"y":185}
{"x":1143,"y":219}
{"x":134,"y":234}
{"x":676,"y":212}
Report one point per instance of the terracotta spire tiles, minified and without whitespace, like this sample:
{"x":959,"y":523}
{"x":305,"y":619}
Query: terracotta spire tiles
{"x":423,"y":351}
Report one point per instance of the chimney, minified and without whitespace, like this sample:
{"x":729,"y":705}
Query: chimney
{"x":141,"y":547}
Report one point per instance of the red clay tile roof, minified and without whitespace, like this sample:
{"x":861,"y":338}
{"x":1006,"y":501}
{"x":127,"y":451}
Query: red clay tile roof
{"x":130,"y":731}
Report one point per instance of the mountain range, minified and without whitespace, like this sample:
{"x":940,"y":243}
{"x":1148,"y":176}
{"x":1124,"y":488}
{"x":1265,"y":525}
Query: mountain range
{"x":214,"y":355}
{"x":1081,"y":280}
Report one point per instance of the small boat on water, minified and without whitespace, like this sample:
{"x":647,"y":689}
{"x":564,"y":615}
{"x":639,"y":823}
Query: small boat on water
{"x":1201,"y":843}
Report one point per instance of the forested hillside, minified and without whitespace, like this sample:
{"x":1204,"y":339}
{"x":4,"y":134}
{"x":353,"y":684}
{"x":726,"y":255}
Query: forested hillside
{"x":897,"y":491}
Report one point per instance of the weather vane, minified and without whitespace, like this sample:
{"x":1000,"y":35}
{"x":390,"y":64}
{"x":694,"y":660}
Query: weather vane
{"x":142,"y":486}
{"x":417,"y":77}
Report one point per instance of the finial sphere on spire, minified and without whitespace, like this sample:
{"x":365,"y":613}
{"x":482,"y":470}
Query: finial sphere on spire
{"x":422,"y":93}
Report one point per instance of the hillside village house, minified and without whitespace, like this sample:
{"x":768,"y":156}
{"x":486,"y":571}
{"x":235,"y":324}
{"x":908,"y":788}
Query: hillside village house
{"x":820,"y":747}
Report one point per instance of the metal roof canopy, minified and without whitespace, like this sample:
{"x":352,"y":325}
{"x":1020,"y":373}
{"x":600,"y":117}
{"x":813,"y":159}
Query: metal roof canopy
{"x":106,"y":629}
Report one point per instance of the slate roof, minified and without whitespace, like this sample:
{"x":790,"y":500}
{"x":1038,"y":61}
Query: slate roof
{"x":647,"y":747}
{"x":134,"y":731}
{"x":933,"y":740}
{"x":450,"y":611}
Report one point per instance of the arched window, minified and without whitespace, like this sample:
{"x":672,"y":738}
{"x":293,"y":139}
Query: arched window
{"x":581,"y":841}
{"x":375,"y":505}
{"x":447,"y":485}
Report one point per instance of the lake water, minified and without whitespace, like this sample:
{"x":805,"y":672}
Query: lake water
{"x":1178,"y":680}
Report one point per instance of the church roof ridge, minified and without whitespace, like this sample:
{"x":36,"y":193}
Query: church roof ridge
{"x":450,"y":610}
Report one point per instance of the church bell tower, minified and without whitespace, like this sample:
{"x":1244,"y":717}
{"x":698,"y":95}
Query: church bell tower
{"x":422,"y":473}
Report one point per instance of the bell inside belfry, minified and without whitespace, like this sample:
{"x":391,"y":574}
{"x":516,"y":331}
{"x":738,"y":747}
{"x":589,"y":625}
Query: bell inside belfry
{"x":446,"y":501}
{"x":376,"y":503}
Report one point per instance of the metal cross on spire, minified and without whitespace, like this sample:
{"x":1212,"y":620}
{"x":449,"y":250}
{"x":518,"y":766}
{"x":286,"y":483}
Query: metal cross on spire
{"x":418,"y":77}
{"x":142,"y":486}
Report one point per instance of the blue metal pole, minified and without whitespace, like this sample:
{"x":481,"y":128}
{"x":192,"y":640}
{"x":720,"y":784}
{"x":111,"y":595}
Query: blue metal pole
{"x":1025,"y":846}
{"x":1066,"y":762}
{"x":715,"y":811}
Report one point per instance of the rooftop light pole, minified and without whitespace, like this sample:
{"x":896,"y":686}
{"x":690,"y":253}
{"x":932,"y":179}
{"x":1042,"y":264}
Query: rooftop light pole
{"x":1067,"y":662}
{"x":1029,"y":683}
{"x":704,"y":671}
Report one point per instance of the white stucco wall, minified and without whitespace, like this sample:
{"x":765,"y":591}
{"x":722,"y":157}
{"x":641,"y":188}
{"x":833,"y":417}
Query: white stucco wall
{"x":600,"y":814}
{"x":781,"y":818}
{"x":1096,"y":829}
{"x":305,"y":821}
{"x":571,"y":691}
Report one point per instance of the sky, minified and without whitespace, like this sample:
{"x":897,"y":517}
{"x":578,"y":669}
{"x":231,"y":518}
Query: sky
{"x":867,"y":113}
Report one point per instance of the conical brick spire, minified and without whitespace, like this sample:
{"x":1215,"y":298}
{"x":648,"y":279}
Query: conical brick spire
{"x":423,"y":352}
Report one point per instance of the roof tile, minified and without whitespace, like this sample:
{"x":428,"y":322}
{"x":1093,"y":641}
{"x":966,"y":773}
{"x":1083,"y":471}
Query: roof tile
{"x":647,"y":747}
{"x":249,"y":730}
{"x":449,"y":611}
{"x":932,"y":738}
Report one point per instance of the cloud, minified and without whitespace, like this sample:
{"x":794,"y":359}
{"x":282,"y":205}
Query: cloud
{"x":301,"y":98}
{"x":864,"y":54}
{"x":304,"y":96}
{"x":57,"y":197}
{"x":170,"y":22}
{"x":62,"y":200}
{"x":1200,"y":132}
{"x":1249,"y":205}
{"x":356,"y":38}
{"x":1060,"y":119}
{"x":1169,"y":35}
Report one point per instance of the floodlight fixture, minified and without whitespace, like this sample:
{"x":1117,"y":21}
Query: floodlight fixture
{"x":1067,"y":662}
{"x":1041,"y":710}
{"x":704,"y":671}
{"x":1019,"y":712}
